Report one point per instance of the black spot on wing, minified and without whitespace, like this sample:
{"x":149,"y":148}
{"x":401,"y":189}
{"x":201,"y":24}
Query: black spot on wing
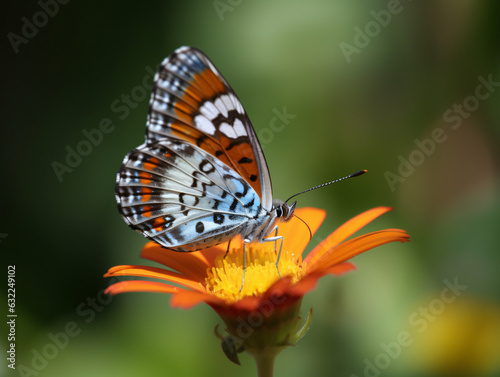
{"x":218,"y":218}
{"x":236,"y":143}
{"x":201,"y":139}
{"x":206,"y":167}
{"x":250,"y":203}
{"x":232,"y":115}
{"x":200,"y":228}
{"x":234,"y":204}
{"x":245,"y":160}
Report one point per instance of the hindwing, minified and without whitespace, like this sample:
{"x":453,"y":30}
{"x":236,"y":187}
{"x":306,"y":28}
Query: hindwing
{"x":183,"y":197}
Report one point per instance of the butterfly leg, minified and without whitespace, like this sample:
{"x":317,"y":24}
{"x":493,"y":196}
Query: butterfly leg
{"x":275,"y":241}
{"x":228,"y":246}
{"x":275,"y":238}
{"x":245,"y":241}
{"x":279,"y":253}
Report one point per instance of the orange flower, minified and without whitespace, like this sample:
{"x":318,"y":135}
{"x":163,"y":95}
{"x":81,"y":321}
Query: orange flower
{"x":262,"y":317}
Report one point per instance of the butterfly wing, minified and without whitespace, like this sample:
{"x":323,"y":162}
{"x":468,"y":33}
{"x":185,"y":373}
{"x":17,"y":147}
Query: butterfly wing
{"x":192,"y":101}
{"x":182,"y":197}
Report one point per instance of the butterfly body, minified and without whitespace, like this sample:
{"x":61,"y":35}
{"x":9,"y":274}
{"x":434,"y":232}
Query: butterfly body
{"x":200,"y":178}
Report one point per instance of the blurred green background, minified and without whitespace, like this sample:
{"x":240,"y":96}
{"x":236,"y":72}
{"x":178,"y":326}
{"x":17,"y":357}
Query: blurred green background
{"x":370,"y":83}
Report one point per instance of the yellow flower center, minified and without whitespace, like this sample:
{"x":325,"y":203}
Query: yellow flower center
{"x":225,"y":278}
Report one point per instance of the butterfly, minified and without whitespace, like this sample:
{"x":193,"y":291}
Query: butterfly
{"x":200,"y":178}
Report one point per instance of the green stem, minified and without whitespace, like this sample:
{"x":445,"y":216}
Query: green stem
{"x":265,"y":365}
{"x":265,"y":360}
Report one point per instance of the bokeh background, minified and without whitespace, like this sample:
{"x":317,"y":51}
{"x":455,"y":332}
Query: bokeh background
{"x":366,"y":86}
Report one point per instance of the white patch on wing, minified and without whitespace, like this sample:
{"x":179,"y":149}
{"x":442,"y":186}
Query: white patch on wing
{"x":164,"y":97}
{"x":227,"y":130}
{"x":160,"y":106}
{"x":161,"y":83}
{"x":239,"y":128}
{"x":189,"y":200}
{"x":165,"y":85}
{"x":221,"y":106}
{"x":226,"y":100}
{"x":237,"y":104}
{"x":156,"y":128}
{"x":204,"y":125}
{"x":209,"y":110}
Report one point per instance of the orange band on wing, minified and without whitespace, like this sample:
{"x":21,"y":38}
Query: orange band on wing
{"x":151,"y":163}
{"x":145,"y":194}
{"x":146,"y":211}
{"x":236,"y":153}
{"x":145,"y":178}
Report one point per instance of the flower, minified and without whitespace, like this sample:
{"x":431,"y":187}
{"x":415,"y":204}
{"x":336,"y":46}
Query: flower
{"x":263,"y":316}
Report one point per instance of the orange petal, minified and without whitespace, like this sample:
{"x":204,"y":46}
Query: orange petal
{"x":359,"y":245}
{"x":295,"y":233}
{"x":187,"y":299}
{"x":344,"y":231}
{"x":306,"y":284}
{"x":193,"y":265}
{"x":154,"y":272}
{"x":340,"y":269}
{"x":309,"y":281}
{"x":248,"y":304}
{"x":140,"y":286}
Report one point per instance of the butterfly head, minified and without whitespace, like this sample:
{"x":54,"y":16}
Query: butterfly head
{"x":284,"y":211}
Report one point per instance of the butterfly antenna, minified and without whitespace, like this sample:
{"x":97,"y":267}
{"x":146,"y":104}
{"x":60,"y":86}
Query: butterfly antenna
{"x":309,"y":229}
{"x":357,"y":174}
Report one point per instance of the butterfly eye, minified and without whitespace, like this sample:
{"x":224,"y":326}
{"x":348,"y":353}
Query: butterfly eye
{"x":279,"y":212}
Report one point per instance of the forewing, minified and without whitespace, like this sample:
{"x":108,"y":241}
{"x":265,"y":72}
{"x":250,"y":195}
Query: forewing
{"x":192,"y":101}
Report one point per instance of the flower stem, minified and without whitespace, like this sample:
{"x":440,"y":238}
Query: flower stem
{"x":265,"y":360}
